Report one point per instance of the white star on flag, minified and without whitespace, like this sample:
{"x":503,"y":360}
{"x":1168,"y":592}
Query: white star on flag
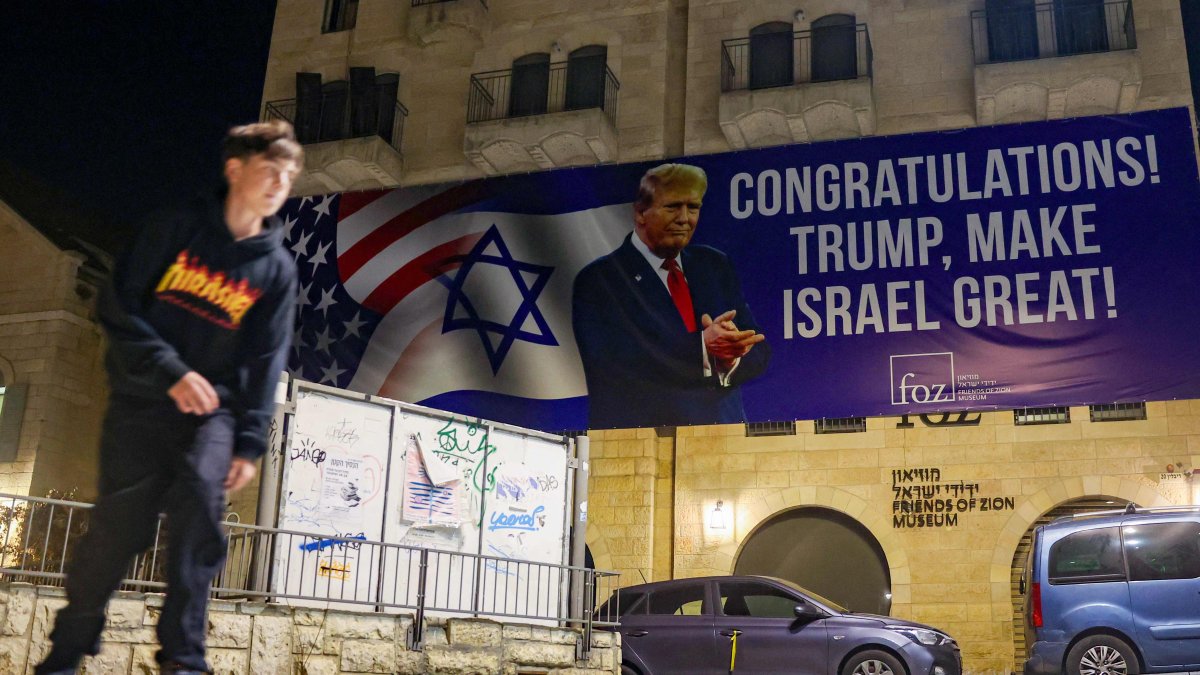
{"x":354,"y":324}
{"x":303,"y":300}
{"x":322,"y":209}
{"x":319,"y":258}
{"x":326,"y":302}
{"x":331,"y":374}
{"x":288,"y":224}
{"x":301,"y":245}
{"x":324,"y":340}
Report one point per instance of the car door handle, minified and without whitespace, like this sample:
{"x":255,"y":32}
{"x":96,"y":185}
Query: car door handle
{"x":638,"y":633}
{"x":729,"y":633}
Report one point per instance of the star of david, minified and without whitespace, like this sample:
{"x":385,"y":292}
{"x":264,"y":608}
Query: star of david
{"x":527,"y":323}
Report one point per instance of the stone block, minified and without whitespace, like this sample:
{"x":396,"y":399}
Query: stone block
{"x":368,"y":656}
{"x":360,"y":626}
{"x":229,"y":661}
{"x":271,"y":646}
{"x":12,"y":654}
{"x":18,"y":610}
{"x":540,"y":653}
{"x":317,"y":665}
{"x":447,"y":660}
{"x":473,"y":632}
{"x":143,"y":660}
{"x":125,"y":613}
{"x":226,"y":629}
{"x":113,"y":658}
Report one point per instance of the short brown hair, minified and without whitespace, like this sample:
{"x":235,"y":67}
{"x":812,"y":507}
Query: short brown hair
{"x":666,"y":176}
{"x":274,"y":140}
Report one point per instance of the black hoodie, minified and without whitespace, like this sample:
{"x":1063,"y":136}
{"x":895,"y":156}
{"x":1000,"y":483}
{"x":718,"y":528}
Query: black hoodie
{"x":187,"y":296}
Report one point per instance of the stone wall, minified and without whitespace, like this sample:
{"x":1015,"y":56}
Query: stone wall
{"x":270,"y":639}
{"x":957,"y":577}
{"x":50,"y":343}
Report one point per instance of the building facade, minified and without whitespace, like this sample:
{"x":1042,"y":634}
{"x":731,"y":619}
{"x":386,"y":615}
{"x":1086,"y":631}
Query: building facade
{"x":407,"y":93}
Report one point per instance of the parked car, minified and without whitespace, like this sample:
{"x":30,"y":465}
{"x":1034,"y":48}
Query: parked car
{"x":688,"y":625}
{"x":1114,"y":593}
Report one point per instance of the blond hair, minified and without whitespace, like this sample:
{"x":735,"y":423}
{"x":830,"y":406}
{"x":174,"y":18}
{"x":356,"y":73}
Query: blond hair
{"x":666,"y":177}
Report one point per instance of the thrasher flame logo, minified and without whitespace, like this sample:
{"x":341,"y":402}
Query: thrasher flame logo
{"x":187,"y":280}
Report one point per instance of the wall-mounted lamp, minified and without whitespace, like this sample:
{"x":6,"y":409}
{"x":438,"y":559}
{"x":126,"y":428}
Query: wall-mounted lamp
{"x":716,"y":519}
{"x":799,"y":16}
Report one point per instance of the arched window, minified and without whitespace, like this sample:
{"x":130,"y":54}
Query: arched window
{"x":834,"y":48}
{"x":12,"y":409}
{"x":1011,"y":30}
{"x":1079,"y":26}
{"x":585,"y":77}
{"x":530,"y":85}
{"x":771,"y":55}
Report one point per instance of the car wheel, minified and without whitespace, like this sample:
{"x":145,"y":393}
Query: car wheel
{"x":626,"y":670}
{"x":1102,"y":655}
{"x":873,"y":662}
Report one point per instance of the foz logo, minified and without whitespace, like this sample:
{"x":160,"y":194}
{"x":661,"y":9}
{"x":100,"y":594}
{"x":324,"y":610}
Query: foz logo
{"x":922,"y":378}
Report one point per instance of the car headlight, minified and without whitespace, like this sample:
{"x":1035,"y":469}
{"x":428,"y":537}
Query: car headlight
{"x":922,"y":635}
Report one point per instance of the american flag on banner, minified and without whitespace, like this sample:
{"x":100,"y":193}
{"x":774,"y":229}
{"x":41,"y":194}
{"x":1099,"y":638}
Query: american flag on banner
{"x":447,"y":296}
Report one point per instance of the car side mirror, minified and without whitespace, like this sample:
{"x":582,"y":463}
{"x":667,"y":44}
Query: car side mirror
{"x":806,"y":611}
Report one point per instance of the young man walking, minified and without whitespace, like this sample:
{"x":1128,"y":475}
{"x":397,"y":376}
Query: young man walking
{"x":198,"y":316}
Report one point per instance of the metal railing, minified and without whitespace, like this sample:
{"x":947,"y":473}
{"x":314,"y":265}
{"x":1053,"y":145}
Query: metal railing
{"x":420,"y":3}
{"x":819,"y":55}
{"x":331,"y":117}
{"x":319,"y":570}
{"x":493,"y":95}
{"x":1049,"y":29}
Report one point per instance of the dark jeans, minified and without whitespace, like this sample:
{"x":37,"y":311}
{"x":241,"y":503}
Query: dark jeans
{"x":152,"y":459}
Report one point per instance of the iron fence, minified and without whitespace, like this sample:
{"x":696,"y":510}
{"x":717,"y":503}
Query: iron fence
{"x":336,"y":116}
{"x":319,"y":570}
{"x":499,"y":95}
{"x":784,"y":59}
{"x":420,"y":3}
{"x":1049,"y":29}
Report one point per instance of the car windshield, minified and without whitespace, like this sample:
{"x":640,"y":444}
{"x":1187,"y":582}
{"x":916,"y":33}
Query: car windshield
{"x":824,"y":601}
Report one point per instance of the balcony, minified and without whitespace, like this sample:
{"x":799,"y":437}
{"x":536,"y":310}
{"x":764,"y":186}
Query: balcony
{"x":792,"y":87}
{"x":352,"y":135}
{"x":433,"y":21}
{"x":1057,"y":59}
{"x":542,"y":116}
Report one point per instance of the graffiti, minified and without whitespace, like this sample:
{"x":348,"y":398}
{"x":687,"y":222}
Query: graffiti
{"x":337,"y":542}
{"x":518,"y":519}
{"x":342,"y":433}
{"x":335,"y":570}
{"x":475,"y":449}
{"x":308,"y":452}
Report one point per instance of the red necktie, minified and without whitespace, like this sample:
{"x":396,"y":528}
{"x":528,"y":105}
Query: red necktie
{"x":680,"y":294}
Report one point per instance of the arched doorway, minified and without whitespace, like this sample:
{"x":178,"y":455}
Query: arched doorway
{"x":1067,"y":508}
{"x":825,"y":551}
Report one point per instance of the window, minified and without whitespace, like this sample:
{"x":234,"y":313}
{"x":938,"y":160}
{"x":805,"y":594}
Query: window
{"x":684,"y":600}
{"x":622,"y":604}
{"x":770,"y":429}
{"x":1011,"y":30}
{"x":1079,"y":26}
{"x":585,"y":77}
{"x":12,"y":409}
{"x":834,"y":48}
{"x":1087,"y":557}
{"x":1163,"y":551}
{"x":771,"y":55}
{"x":1049,"y":415}
{"x":1117,"y":412}
{"x":840,"y":425}
{"x":756,"y":600}
{"x":529,"y":86}
{"x":339,"y":15}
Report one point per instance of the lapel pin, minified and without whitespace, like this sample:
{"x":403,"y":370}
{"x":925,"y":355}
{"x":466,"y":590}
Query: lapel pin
{"x":637,"y":277}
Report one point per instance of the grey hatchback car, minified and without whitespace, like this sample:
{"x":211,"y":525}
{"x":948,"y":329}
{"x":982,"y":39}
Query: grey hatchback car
{"x":690,"y":625}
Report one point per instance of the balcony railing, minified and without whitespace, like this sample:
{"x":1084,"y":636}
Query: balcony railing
{"x":818,"y":55}
{"x":420,"y":3}
{"x":336,"y":116}
{"x":1048,"y":29}
{"x":498,"y":95}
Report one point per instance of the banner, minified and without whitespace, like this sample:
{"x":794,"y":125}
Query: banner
{"x":1047,"y":263}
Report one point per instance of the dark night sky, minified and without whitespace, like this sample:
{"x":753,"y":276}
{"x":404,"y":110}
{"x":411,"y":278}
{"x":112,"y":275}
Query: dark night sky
{"x":111,"y":108}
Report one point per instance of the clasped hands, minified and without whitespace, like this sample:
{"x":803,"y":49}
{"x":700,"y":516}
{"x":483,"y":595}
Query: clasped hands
{"x":724,"y":342}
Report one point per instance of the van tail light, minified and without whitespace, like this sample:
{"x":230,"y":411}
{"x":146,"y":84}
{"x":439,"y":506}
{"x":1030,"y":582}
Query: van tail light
{"x":1035,"y":604}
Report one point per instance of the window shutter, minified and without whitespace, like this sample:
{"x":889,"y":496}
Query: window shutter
{"x":10,"y":420}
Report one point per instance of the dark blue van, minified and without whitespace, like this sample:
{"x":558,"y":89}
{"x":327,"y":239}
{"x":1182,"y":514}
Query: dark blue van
{"x":1114,"y":593}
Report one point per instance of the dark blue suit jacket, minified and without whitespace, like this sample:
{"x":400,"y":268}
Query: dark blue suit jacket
{"x":642,"y":366}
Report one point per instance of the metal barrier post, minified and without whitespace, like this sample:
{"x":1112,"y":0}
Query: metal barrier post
{"x":417,"y":637}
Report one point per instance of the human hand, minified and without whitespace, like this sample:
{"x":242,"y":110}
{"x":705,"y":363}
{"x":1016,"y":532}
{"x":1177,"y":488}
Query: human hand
{"x":194,"y":395}
{"x":241,"y":472}
{"x":724,"y":342}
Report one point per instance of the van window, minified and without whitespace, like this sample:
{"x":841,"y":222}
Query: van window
{"x":1090,"y":556}
{"x":685,"y":600}
{"x":1163,"y":551}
